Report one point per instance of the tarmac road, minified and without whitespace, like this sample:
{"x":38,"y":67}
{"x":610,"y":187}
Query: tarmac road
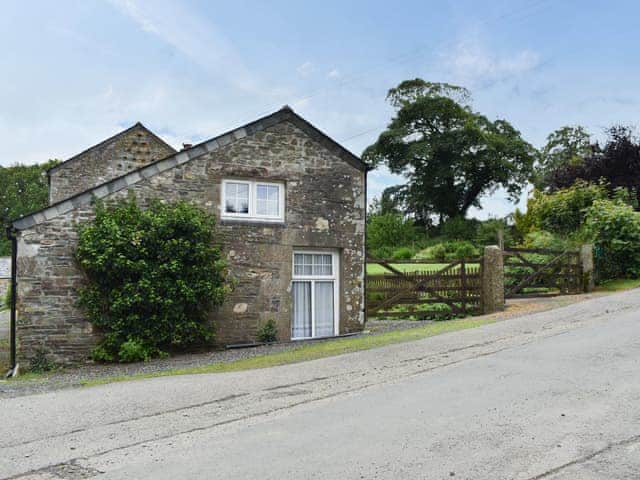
{"x":553,"y":395}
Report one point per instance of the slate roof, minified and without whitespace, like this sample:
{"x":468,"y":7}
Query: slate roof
{"x":178,"y":158}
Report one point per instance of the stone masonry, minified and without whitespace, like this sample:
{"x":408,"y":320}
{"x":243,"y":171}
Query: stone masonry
{"x":324,"y":209}
{"x":112,"y":158}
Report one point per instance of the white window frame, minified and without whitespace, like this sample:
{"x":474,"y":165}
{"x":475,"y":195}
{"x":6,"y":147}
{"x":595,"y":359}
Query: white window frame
{"x":252,"y":215}
{"x":334,"y":277}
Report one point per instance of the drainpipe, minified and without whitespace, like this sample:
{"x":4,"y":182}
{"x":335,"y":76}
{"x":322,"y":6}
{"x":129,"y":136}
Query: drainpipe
{"x":11,"y":235}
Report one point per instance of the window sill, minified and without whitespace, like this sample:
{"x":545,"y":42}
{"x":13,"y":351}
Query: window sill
{"x":252,"y":222}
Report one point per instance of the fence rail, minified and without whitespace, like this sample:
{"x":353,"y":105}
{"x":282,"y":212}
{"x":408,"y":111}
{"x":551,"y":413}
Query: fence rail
{"x":450,"y":290}
{"x":541,"y":272}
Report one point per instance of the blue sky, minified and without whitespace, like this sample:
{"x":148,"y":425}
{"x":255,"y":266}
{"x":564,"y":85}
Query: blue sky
{"x":75,"y":72}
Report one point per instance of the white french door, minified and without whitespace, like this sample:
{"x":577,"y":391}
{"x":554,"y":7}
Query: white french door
{"x":315,"y":294}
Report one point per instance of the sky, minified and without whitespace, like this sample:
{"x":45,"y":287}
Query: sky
{"x":76,"y":72}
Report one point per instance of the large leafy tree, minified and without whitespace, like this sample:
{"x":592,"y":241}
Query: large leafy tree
{"x":450,"y":155}
{"x":617,"y":164}
{"x":565,"y":147}
{"x":23,"y":189}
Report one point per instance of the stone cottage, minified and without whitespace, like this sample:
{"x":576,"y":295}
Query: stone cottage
{"x":290,"y":204}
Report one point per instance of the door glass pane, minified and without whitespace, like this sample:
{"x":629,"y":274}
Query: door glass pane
{"x":301,"y":311}
{"x":323,"y":309}
{"x":322,"y":264}
{"x":302,"y":264}
{"x":236,"y":197}
{"x":267,"y":199}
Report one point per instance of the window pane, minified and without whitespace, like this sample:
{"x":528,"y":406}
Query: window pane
{"x":267,"y":200}
{"x":323,"y":309}
{"x":236,"y":198}
{"x":301,"y":312}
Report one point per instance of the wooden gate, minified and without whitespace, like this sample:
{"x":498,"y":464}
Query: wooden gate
{"x":430,"y":290}
{"x":541,"y":272}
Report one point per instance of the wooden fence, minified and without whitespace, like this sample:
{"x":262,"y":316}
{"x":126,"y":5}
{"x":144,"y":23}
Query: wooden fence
{"x":542,"y":272}
{"x":439,"y":292}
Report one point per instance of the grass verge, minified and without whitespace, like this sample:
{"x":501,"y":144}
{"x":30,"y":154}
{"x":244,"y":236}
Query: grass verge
{"x":312,"y":351}
{"x":618,"y":285}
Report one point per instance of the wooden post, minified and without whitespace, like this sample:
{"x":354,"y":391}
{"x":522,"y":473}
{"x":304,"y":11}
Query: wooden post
{"x":463,"y":284}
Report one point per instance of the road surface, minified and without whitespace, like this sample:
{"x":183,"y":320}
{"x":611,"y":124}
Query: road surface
{"x":553,"y":395}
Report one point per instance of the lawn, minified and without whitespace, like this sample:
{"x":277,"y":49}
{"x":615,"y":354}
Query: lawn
{"x":312,"y":351}
{"x":376,"y":269}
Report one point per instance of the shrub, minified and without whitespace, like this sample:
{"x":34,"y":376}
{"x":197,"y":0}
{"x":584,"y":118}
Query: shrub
{"x":403,"y":253}
{"x":153,"y":276}
{"x":460,"y":228}
{"x":487,"y":233}
{"x":382,"y":252}
{"x":389,"y":230}
{"x":545,"y":240}
{"x":465,"y":250}
{"x":135,"y":351}
{"x":562,"y":212}
{"x":614,"y":229}
{"x":40,"y":362}
{"x":449,"y":251}
{"x":268,"y":332}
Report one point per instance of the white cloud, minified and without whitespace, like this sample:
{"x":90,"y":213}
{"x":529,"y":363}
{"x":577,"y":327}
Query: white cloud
{"x":305,"y":69}
{"x":334,"y":73}
{"x":192,"y":36}
{"x":471,"y":64}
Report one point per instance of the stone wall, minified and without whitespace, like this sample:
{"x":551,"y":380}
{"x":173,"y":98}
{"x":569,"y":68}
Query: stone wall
{"x":5,"y":278}
{"x":325,"y":208}
{"x":122,"y":153}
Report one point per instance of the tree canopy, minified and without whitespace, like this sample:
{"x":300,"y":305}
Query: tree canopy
{"x":23,"y":189}
{"x":565,"y":147}
{"x":617,"y":164}
{"x":450,"y":155}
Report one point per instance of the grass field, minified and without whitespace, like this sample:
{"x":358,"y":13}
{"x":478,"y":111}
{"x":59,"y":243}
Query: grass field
{"x":375,"y":269}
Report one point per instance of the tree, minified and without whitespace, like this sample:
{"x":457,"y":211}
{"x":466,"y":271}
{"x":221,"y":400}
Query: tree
{"x":618,"y":164}
{"x":23,"y":189}
{"x":450,"y":155}
{"x":566,"y":146}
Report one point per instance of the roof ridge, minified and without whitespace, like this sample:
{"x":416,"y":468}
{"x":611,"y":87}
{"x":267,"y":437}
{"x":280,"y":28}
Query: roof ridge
{"x":178,"y":158}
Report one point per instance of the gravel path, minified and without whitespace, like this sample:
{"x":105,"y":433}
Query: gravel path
{"x":73,"y":377}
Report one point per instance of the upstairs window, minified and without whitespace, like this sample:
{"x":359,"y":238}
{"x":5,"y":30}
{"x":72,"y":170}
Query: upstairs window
{"x":252,"y":200}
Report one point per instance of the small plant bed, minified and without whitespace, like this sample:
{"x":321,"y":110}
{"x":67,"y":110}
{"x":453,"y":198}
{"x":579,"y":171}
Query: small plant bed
{"x":419,"y":312}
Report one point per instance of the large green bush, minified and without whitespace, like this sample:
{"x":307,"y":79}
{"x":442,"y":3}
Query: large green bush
{"x":460,"y":228}
{"x":614,"y":229}
{"x":389,"y":230}
{"x":562,"y":212}
{"x":153,"y":276}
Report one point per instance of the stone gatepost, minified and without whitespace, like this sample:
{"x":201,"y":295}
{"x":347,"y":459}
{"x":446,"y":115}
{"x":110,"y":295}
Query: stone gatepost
{"x":586,"y":261}
{"x":492,"y":299}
